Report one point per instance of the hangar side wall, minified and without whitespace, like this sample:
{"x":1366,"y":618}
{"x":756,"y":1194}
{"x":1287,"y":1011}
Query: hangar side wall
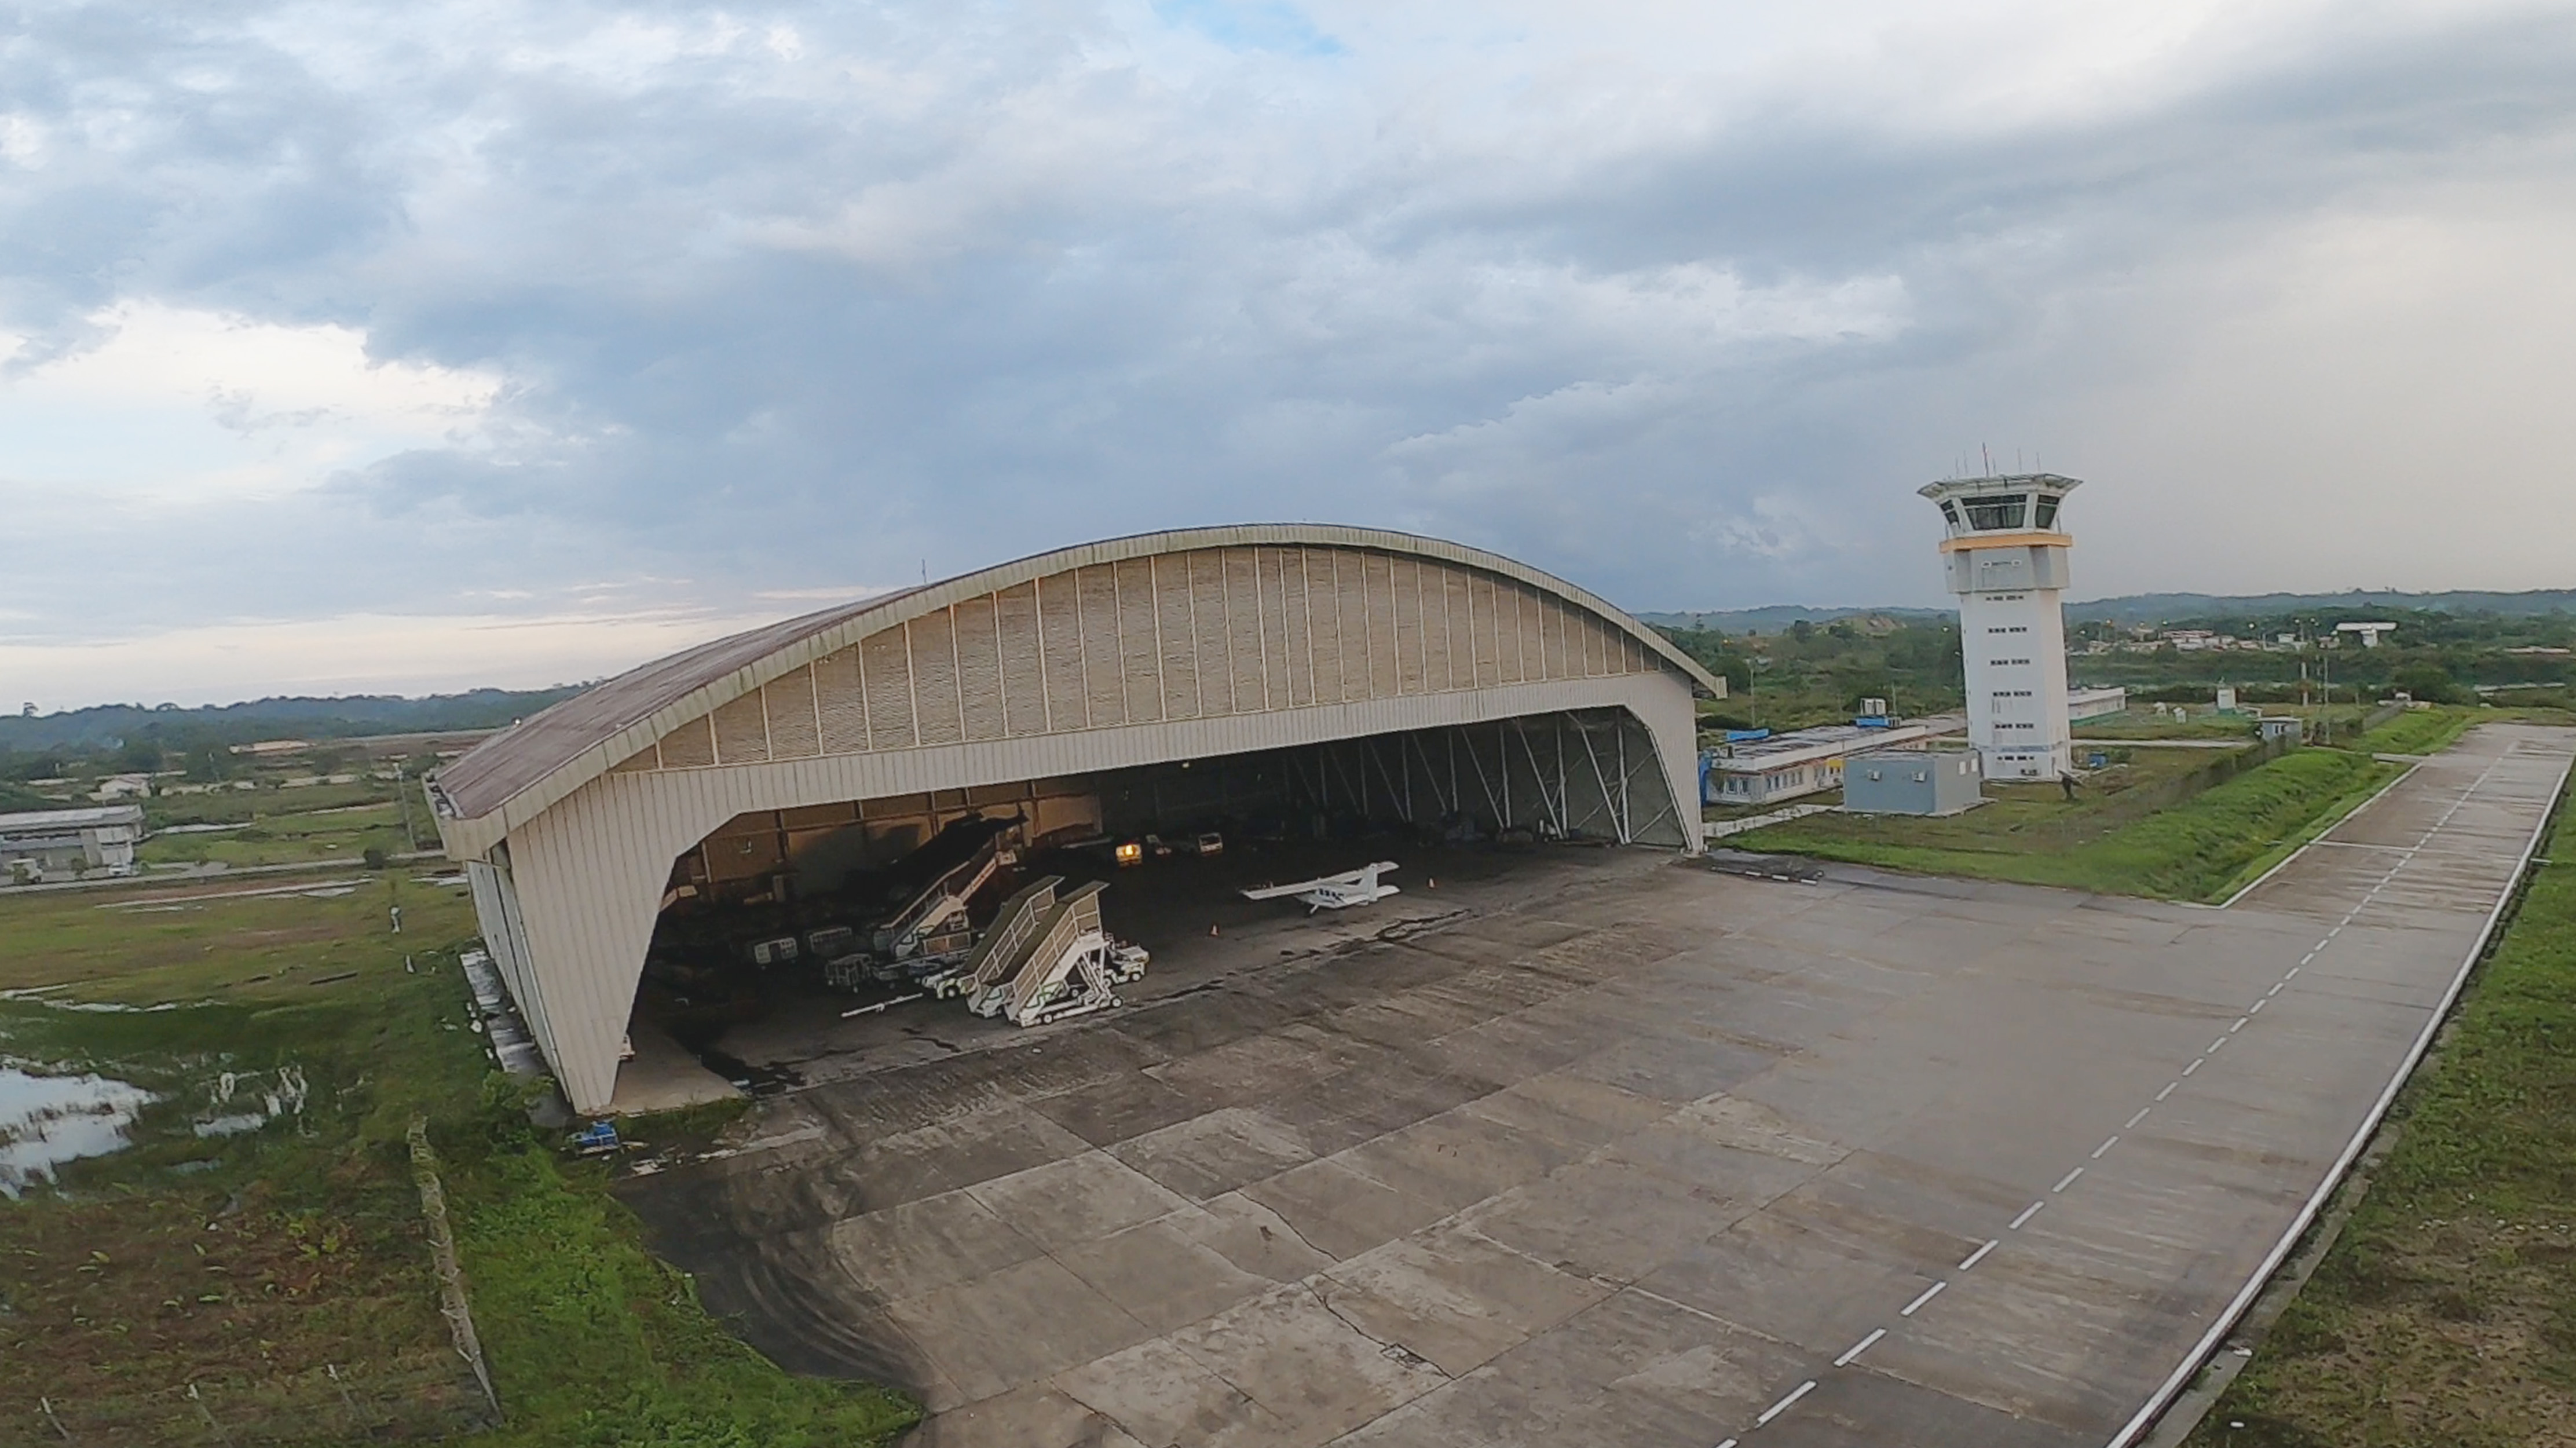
{"x":589,"y":872}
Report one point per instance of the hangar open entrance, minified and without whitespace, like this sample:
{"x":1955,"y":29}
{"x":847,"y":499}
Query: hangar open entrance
{"x":821,"y":910}
{"x":1348,"y":678}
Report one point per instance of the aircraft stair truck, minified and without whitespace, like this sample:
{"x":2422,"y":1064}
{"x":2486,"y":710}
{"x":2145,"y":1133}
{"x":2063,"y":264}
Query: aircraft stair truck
{"x":932,"y":929}
{"x":1004,"y":946}
{"x":1069,"y":967}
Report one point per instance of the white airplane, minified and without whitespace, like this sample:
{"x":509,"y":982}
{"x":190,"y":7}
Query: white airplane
{"x":1333,"y":892}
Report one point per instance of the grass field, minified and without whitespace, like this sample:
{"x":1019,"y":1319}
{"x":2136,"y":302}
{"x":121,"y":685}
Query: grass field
{"x":2446,"y":1312}
{"x":2417,"y":731}
{"x":2200,"y":849}
{"x":254,"y":1265}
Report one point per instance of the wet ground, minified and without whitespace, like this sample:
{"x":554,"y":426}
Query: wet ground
{"x":1603,"y":1148}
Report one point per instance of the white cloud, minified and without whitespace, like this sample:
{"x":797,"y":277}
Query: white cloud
{"x":353,"y":654}
{"x":185,"y":405}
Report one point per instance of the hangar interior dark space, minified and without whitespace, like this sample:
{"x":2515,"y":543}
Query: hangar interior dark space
{"x":882,"y":903}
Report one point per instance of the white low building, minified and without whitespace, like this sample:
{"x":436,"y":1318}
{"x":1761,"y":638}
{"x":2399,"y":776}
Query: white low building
{"x":66,"y":841}
{"x":1802,"y":761}
{"x":2096,"y":703}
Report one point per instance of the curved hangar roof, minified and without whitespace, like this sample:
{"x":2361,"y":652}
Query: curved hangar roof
{"x":802,"y":687}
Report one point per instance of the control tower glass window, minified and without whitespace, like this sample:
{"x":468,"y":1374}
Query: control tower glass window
{"x":2046,"y":518}
{"x":2004,"y":512}
{"x":1950,"y":511}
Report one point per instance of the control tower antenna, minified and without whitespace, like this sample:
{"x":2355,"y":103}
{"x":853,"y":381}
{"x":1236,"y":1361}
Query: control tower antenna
{"x":2006,"y":560}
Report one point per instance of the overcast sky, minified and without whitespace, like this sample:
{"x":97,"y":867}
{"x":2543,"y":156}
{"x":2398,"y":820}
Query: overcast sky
{"x":412,"y":347}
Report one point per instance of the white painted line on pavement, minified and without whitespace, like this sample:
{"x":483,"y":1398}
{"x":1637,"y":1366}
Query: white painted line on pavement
{"x":2141,"y":1116}
{"x":1979,"y":1255}
{"x":2168,"y":1091}
{"x":2067,"y":1180}
{"x":1782,"y":1406}
{"x":1862,"y":1346}
{"x":1928,"y":1294}
{"x":2027,"y":1213}
{"x":2106,"y":1146}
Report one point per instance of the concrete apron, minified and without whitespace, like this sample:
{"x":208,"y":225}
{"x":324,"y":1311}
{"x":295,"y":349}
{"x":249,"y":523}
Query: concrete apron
{"x":1624,"y":1155}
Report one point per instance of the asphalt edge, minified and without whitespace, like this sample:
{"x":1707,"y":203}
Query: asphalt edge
{"x":2158,"y":1404}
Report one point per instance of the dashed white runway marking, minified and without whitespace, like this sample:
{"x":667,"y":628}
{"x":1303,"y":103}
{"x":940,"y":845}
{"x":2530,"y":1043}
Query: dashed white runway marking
{"x":1862,"y":1346}
{"x":2023,"y":1218}
{"x":1782,"y":1406}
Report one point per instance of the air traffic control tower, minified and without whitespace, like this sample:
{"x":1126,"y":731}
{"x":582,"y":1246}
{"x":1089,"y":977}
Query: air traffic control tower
{"x":2006,"y":559}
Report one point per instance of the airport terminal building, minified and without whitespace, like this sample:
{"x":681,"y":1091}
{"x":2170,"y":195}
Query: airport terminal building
{"x":1307,"y":680}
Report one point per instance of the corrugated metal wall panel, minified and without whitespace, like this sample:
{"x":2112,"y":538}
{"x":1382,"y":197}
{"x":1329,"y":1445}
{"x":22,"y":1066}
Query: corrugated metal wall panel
{"x":1175,"y":637}
{"x":1139,"y":651}
{"x":1409,"y":657}
{"x":690,"y":746}
{"x":1105,"y":686}
{"x":1292,"y":684}
{"x":1247,"y":644}
{"x":1023,"y":666}
{"x":742,"y":735}
{"x":1350,"y":579}
{"x":1529,"y":633}
{"x":1377,"y":596}
{"x":841,"y":702}
{"x":1211,"y":641}
{"x":794,"y":732}
{"x":1316,"y":599}
{"x":1060,"y":621}
{"x":979,"y":668}
{"x":1486,"y":609}
{"x":938,"y":710}
{"x":889,"y":680}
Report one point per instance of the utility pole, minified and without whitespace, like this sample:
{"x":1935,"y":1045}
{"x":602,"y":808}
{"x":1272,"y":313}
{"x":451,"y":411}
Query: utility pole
{"x":402,"y":796}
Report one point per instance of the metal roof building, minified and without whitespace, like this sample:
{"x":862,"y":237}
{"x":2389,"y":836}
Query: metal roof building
{"x":1458,"y":682}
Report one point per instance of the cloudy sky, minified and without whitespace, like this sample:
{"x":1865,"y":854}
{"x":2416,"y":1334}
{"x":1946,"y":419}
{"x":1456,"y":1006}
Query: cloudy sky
{"x":457,"y":342}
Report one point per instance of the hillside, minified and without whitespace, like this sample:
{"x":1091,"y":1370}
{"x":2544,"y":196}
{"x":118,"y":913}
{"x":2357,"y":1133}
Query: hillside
{"x":108,"y":725}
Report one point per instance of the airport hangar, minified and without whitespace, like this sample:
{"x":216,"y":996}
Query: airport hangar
{"x":1320,"y":672}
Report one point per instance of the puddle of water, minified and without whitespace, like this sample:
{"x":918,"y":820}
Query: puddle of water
{"x":48,"y":1120}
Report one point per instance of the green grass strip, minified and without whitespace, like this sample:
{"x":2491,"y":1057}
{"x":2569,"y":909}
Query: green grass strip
{"x":2196,"y":850}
